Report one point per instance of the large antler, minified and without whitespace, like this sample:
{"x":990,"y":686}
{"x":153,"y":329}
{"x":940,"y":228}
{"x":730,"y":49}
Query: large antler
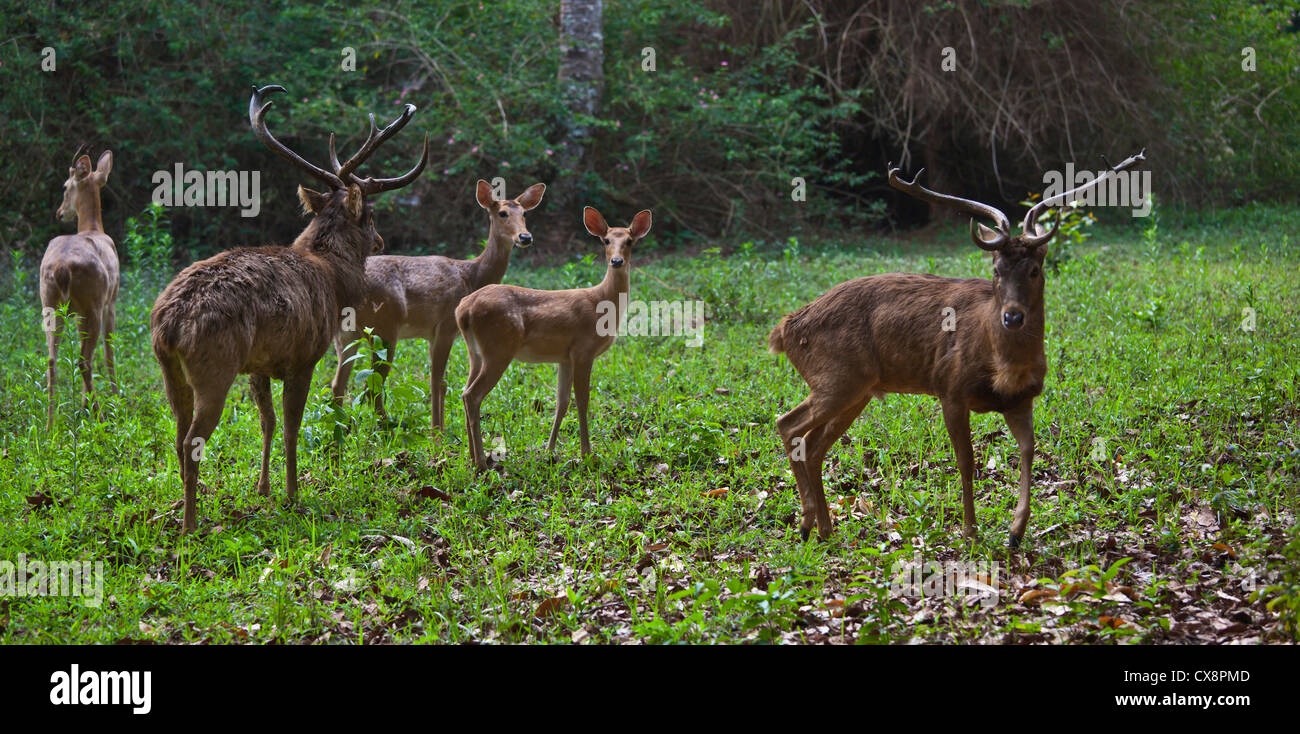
{"x":375,"y":139}
{"x":1031,"y":239}
{"x":257,"y":116}
{"x":1003,"y":224}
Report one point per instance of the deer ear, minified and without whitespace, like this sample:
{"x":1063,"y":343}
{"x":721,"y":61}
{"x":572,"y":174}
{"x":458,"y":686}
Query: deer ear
{"x":82,"y":166}
{"x":354,"y":203}
{"x":532,"y":196}
{"x":483,"y":192}
{"x":640,"y":224}
{"x":594,"y":223}
{"x":313,"y":202}
{"x":104,"y":166}
{"x":986,"y":233}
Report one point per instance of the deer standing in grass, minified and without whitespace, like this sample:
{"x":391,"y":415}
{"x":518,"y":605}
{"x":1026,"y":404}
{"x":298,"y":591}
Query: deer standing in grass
{"x":269,"y":312}
{"x":81,"y":270}
{"x":975,"y":344}
{"x":415,"y":297}
{"x":503,"y":323}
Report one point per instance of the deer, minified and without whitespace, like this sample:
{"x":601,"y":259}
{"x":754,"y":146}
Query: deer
{"x":269,"y":312}
{"x":975,"y":344}
{"x":81,"y":270}
{"x":416,"y":296}
{"x":570,"y":328}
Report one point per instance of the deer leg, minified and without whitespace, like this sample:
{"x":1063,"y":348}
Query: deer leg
{"x":261,"y":389}
{"x":439,"y":351}
{"x":90,"y":324}
{"x":345,"y":346}
{"x":1021,"y":424}
{"x":292,"y":402}
{"x":957,"y":419}
{"x":582,"y":391}
{"x":110,"y":325}
{"x":180,"y":396}
{"x":486,"y":378}
{"x":797,"y":431}
{"x":209,"y":399}
{"x":563,"y":389}
{"x":820,"y":442}
{"x":52,"y":366}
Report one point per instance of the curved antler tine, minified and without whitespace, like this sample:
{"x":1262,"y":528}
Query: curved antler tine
{"x":1034,"y":240}
{"x":993,"y":245}
{"x":376,"y":185}
{"x":361,"y":155}
{"x":77,"y":155}
{"x":916,"y":190}
{"x":257,"y":107}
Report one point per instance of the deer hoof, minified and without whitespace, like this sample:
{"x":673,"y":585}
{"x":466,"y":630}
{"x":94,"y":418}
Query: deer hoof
{"x":804,"y":533}
{"x":1013,"y":541}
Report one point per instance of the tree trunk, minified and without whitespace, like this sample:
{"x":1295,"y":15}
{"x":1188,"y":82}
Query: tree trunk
{"x":581,"y":79}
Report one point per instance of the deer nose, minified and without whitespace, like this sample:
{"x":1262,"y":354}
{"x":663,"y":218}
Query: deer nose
{"x":616,"y":262}
{"x":1013,"y":319}
{"x":525,"y":239}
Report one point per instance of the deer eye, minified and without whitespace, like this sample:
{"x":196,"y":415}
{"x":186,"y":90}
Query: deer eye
{"x":1034,"y":272}
{"x":502,"y":214}
{"x":605,"y":240}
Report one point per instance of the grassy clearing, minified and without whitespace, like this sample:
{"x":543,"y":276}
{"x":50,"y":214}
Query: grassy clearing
{"x":1166,"y":436}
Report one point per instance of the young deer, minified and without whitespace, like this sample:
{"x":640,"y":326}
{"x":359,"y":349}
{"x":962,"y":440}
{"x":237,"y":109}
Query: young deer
{"x":81,"y":270}
{"x":502,"y":323}
{"x":975,"y":344}
{"x":269,"y":312}
{"x":416,"y":297}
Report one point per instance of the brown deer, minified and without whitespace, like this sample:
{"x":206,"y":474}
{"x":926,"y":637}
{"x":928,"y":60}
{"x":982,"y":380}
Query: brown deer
{"x":269,"y":312}
{"x":975,"y":344}
{"x":81,"y":270}
{"x":415,"y":297}
{"x":502,"y":323}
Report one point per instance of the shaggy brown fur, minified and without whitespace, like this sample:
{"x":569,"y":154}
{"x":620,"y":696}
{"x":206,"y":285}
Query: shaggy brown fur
{"x":81,"y":270}
{"x":415,"y":297}
{"x":502,"y":323}
{"x":267,"y":312}
{"x":885,"y":334}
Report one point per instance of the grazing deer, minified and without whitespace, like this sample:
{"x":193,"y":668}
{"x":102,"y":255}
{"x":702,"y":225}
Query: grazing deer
{"x":502,"y":323}
{"x":81,"y":270}
{"x":975,"y":344}
{"x":415,"y":297}
{"x":269,"y":312}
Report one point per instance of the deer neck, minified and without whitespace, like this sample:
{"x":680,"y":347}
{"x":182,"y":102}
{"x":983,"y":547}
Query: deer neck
{"x":614,"y":287}
{"x":490,"y":266}
{"x":1017,"y":357}
{"x":89,"y":216}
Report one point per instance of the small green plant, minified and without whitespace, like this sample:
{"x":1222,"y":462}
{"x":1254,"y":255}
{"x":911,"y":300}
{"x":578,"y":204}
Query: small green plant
{"x":149,"y":240}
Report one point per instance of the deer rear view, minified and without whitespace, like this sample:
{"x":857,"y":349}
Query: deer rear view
{"x":503,"y":323}
{"x":81,"y":270}
{"x":894,"y":333}
{"x":415,"y":297}
{"x":269,"y":312}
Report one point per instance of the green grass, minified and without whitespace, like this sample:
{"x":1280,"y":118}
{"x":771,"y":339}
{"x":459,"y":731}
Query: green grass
{"x":1166,"y":435}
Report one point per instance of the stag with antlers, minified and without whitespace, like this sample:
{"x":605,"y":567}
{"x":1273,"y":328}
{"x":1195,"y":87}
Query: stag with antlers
{"x":975,"y":344}
{"x":269,"y":312}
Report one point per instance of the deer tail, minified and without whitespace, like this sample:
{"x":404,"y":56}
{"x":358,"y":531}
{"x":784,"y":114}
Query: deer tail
{"x":776,"y":339}
{"x":62,"y":277}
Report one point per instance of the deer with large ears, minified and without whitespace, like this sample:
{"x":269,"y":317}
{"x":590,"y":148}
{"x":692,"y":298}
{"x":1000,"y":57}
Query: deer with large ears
{"x":415,"y":297}
{"x":269,"y":312}
{"x":503,"y":323}
{"x":975,"y":344}
{"x":81,"y":270}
